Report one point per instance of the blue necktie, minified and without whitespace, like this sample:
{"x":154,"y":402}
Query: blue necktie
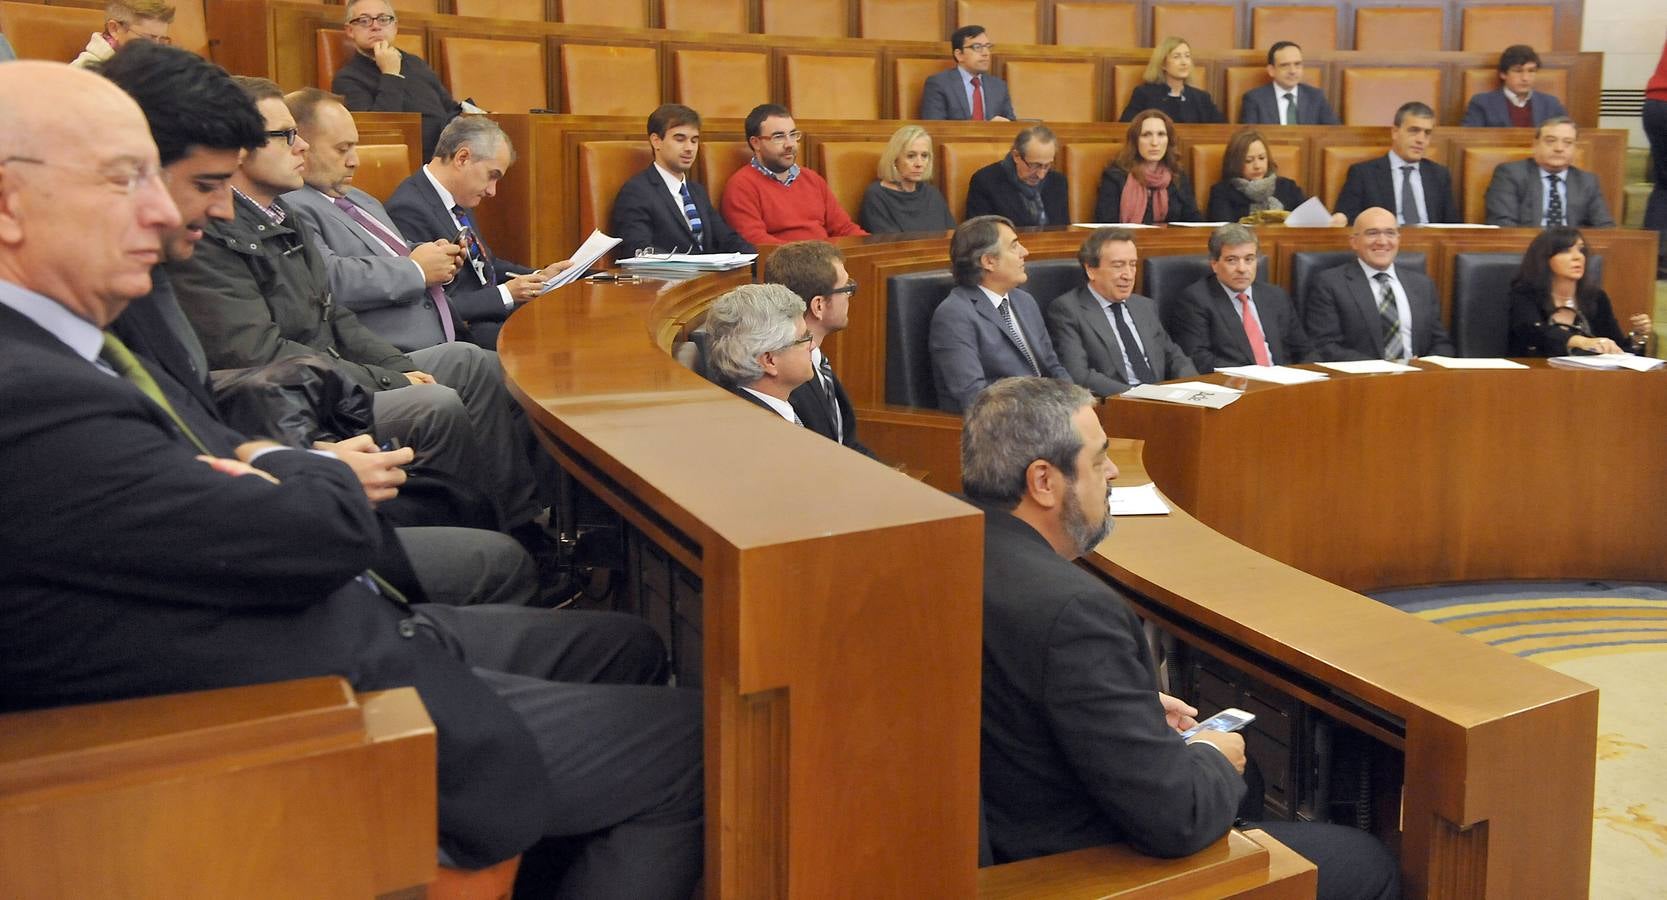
{"x":693,"y":215}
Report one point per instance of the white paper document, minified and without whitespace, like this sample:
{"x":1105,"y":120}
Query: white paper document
{"x":1466,"y":362}
{"x":1311,"y":213}
{"x":686,"y":263}
{"x":1110,"y":225}
{"x":1196,"y":224}
{"x":1367,"y":366}
{"x":1608,"y":361}
{"x":1452,"y":225}
{"x":582,"y":259}
{"x":1141,"y":500}
{"x":1187,"y":393}
{"x":1275,"y":374}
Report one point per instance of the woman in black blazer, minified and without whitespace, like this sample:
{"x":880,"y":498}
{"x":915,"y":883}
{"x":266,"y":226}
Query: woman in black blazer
{"x":1250,"y":181}
{"x":1144,"y":184}
{"x":1166,"y":88}
{"x":1555,"y":312}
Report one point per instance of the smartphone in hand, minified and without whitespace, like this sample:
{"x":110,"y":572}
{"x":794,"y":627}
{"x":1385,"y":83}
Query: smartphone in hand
{"x":1227,"y":720}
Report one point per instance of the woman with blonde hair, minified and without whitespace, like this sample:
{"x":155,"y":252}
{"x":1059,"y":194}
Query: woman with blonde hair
{"x":904,"y":197}
{"x":1145,"y":184}
{"x":1166,"y":87}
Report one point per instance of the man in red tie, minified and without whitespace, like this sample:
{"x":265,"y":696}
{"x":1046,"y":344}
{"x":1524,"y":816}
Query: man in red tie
{"x":1230,"y":318}
{"x":967,"y":91}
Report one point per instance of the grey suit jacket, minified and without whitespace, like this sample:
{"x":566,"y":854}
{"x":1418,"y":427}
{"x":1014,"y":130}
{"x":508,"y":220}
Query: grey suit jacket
{"x":387,"y":292}
{"x":1089,"y":348}
{"x":1341,"y":312}
{"x":1260,"y":106}
{"x":971,"y":346}
{"x":1516,"y":197}
{"x":945,"y":97}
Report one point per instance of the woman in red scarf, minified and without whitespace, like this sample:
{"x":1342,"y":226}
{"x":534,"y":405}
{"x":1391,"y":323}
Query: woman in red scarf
{"x":1145,"y":184}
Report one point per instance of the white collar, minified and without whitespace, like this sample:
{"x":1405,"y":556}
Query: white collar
{"x":782,"y":407}
{"x":994,"y":297}
{"x":82,"y":336}
{"x":673,"y":182}
{"x":1372,"y":273}
{"x":446,"y":199}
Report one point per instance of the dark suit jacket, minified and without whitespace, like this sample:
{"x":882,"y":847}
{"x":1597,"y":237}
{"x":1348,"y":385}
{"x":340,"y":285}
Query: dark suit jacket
{"x":810,"y":401}
{"x":993,"y":191}
{"x":1370,"y":184}
{"x":1089,"y":349}
{"x":1075,"y":748}
{"x":1532,"y":335}
{"x":1260,"y":106}
{"x":1194,"y":105}
{"x":1229,"y":204}
{"x":972,"y":347}
{"x":416,"y":89}
{"x":1183,"y":206}
{"x":190,"y":591}
{"x":645,"y":215}
{"x":945,"y":97}
{"x":1205,"y":322}
{"x":1490,"y":109}
{"x":1341,"y":312}
{"x":1516,"y":197}
{"x":420,"y":215}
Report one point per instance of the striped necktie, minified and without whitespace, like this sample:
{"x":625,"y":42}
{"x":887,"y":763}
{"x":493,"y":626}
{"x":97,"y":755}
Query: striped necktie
{"x":1018,"y":336}
{"x":696,"y":227}
{"x":1391,"y":315}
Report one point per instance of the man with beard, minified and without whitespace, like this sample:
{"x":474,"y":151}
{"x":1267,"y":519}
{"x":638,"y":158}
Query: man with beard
{"x":1079,"y":747}
{"x":770,"y":200}
{"x":661,"y":206}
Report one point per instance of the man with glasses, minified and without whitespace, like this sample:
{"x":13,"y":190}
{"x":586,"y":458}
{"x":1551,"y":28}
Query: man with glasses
{"x":815,"y":271}
{"x":127,"y":20}
{"x":383,"y":78}
{"x":968,"y":91}
{"x":1023,"y":186}
{"x":760,"y":346}
{"x":1368,"y":307}
{"x":772,"y":200}
{"x":1109,"y":337}
{"x":1229,"y":318}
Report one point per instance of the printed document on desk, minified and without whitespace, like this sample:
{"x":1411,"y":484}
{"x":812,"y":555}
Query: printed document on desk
{"x":1367,"y":366}
{"x":1468,"y":362}
{"x":582,"y":259}
{"x":1140,"y":500}
{"x":1606,"y":361}
{"x":680,"y":263}
{"x":1275,"y":374}
{"x":1186,"y":393}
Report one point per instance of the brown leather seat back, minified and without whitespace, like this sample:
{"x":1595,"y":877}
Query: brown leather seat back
{"x":603,"y":12}
{"x":1334,"y":168}
{"x":902,"y":20}
{"x":381,"y":168}
{"x":804,"y":18}
{"x":1479,"y":163}
{"x":1313,"y":27}
{"x":499,"y":76}
{"x":728,"y":16}
{"x":1084,"y":163}
{"x":334,"y":50}
{"x":1241,"y":79}
{"x":908,"y":80}
{"x":190,"y":28}
{"x":1206,"y":27}
{"x":849,"y":168}
{"x":1493,"y":28}
{"x":719,"y":160}
{"x":832,"y":87}
{"x":598,"y":80}
{"x":1096,"y":24}
{"x":1372,"y":94}
{"x":1383,"y":29}
{"x":957,"y":160}
{"x":56,"y":33}
{"x":605,"y":166}
{"x":721,"y":83}
{"x":1007,"y":21}
{"x":1054,"y":91}
{"x":524,"y":10}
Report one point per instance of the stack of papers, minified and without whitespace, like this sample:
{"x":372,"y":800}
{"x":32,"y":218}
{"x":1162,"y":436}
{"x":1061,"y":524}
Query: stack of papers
{"x":1142,"y":500}
{"x":1187,"y":393}
{"x":1368,"y":366}
{"x":582,"y":259}
{"x":1275,"y":374}
{"x":686,"y":263}
{"x":1607,"y":361}
{"x":1480,"y":362}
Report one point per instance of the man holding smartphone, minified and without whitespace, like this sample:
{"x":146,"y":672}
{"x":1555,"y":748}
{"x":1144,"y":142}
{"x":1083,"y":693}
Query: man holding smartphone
{"x":1079,"y":747}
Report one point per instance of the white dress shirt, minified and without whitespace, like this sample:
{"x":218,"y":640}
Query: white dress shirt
{"x":782,"y":407}
{"x":1396,"y":164}
{"x":448,"y":201}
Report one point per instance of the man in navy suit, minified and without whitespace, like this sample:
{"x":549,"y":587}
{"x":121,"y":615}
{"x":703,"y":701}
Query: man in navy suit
{"x":987,"y":329}
{"x":1231,"y":319}
{"x":661,"y":207}
{"x":1417,"y":189}
{"x":1516,"y":104}
{"x":815,"y":271}
{"x":1370,"y":308}
{"x":967,"y":91}
{"x":1286,"y":100}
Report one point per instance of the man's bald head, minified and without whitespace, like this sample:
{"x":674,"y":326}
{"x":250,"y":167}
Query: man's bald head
{"x":1376,"y":239}
{"x":56,"y":102}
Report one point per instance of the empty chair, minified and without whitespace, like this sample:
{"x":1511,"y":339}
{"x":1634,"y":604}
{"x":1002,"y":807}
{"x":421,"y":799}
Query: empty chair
{"x":525,"y":10}
{"x":832,"y":87}
{"x":1055,"y":91}
{"x":804,"y":18}
{"x":910,"y":301}
{"x":902,"y":20}
{"x":1082,"y":164}
{"x":599,"y":80}
{"x":848,"y":167}
{"x":1206,"y":27}
{"x":908,"y":80}
{"x":603,"y":12}
{"x":1372,"y":94}
{"x":705,"y":15}
{"x":956,"y":163}
{"x":1490,"y":28}
{"x":604,"y":166}
{"x":1314,"y":27}
{"x":56,"y":33}
{"x":1384,"y":29}
{"x":1481,"y":305}
{"x":1096,"y":24}
{"x":717,"y":161}
{"x":1008,"y":21}
{"x":1048,"y":278}
{"x":381,"y":168}
{"x":721,"y":83}
{"x":499,"y":76}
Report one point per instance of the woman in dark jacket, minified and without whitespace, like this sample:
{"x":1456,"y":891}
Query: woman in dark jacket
{"x":1250,"y":181}
{"x":1166,"y":88}
{"x":1556,"y":312}
{"x":1145,"y":185}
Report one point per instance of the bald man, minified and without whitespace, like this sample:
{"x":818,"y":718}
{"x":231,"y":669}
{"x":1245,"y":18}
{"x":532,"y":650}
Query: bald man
{"x":1371,"y":308}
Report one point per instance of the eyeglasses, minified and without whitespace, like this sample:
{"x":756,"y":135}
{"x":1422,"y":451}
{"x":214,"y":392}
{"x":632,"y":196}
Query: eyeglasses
{"x":128,"y":177}
{"x":288,"y":134}
{"x":805,"y":338}
{"x":782,"y":137}
{"x":1036,"y":166}
{"x":1373,"y":234}
{"x":368,"y":21}
{"x":979,"y":48}
{"x":849,"y":287}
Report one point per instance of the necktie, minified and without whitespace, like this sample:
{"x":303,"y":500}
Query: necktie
{"x":397,"y":244}
{"x":129,"y":368}
{"x":471,"y":245}
{"x":1253,"y":331}
{"x":1391,"y":315}
{"x":692,"y":214}
{"x":824,"y":372}
{"x":977,"y":98}
{"x":1138,"y":365}
{"x":1291,"y":108}
{"x":1018,"y":338}
{"x":1409,"y":200}
{"x":1554,"y":204}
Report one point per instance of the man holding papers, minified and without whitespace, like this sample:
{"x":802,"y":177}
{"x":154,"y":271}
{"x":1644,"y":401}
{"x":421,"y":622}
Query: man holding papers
{"x":661,"y":207}
{"x":1369,"y":308}
{"x":1231,"y":319}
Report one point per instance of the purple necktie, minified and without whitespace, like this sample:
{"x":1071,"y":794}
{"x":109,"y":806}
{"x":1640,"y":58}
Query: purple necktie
{"x":380,"y":232}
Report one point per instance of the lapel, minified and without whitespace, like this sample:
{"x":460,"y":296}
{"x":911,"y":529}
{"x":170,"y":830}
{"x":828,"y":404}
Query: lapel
{"x":1533,"y":200}
{"x":1089,"y":309}
{"x":1366,"y":301}
{"x":1385,"y":176}
{"x":1225,"y":309}
{"x":959,"y":95}
{"x":986,"y":309}
{"x":372,"y":247}
{"x":668,"y":205}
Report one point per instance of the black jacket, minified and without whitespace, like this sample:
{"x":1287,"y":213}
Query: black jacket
{"x":1229,"y":204}
{"x":1183,"y":206}
{"x":1370,"y":184}
{"x":810,"y":401}
{"x":994,"y":190}
{"x":418,"y":212}
{"x":1194,"y":106}
{"x":645,"y":215}
{"x":415,"y":89}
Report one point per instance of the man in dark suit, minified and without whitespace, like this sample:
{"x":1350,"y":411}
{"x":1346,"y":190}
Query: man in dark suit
{"x":987,"y":329}
{"x":1417,"y":189}
{"x":1368,"y":308}
{"x":1231,"y":319}
{"x":1023,"y":187}
{"x":383,"y":78}
{"x":1547,"y":189}
{"x":1516,"y":104}
{"x":173,"y":562}
{"x":760,"y":346}
{"x":1107,"y":336}
{"x":1286,"y":100}
{"x":436,"y":202}
{"x":661,"y":206}
{"x":1079,"y":747}
{"x":967,"y":91}
{"x":815,"y":272}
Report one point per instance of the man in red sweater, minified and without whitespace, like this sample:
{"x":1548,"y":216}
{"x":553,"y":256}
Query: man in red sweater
{"x":770,"y":200}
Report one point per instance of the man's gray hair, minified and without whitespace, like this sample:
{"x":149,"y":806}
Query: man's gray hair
{"x":751,"y":320}
{"x":1010,"y":425}
{"x":974,"y":239}
{"x":479,"y":133}
{"x":1231,"y":235}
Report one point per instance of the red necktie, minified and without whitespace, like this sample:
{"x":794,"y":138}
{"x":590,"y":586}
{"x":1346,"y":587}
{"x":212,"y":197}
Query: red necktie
{"x":977,"y":99}
{"x":1253,"y":332}
{"x":396,"y":244}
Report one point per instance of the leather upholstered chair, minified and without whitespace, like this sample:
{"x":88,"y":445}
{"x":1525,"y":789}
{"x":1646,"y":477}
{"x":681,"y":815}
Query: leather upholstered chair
{"x":502,"y":76}
{"x":1048,"y":278}
{"x":55,"y":33}
{"x":804,"y":18}
{"x":1476,"y":172}
{"x":381,"y":168}
{"x":1083,"y":164}
{"x":1371,"y":94}
{"x":1334,"y":168}
{"x":717,"y":161}
{"x":848,"y":167}
{"x":1205,"y":26}
{"x":728,"y":16}
{"x":808,"y":76}
{"x":1241,"y":79}
{"x":602,"y":80}
{"x":910,"y":301}
{"x":1165,"y":276}
{"x":908,"y":81}
{"x":957,"y":161}
{"x":334,"y":51}
{"x":1314,"y":27}
{"x":1481,"y":305}
{"x":603,"y":12}
{"x":604,"y":166}
{"x":1384,"y":29}
{"x":720,"y":83}
{"x":1491,"y":28}
{"x":523,"y":10}
{"x":903,"y":20}
{"x":1008,"y":21}
{"x":1305,"y":264}
{"x":1096,"y":25}
{"x":1054,"y":91}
